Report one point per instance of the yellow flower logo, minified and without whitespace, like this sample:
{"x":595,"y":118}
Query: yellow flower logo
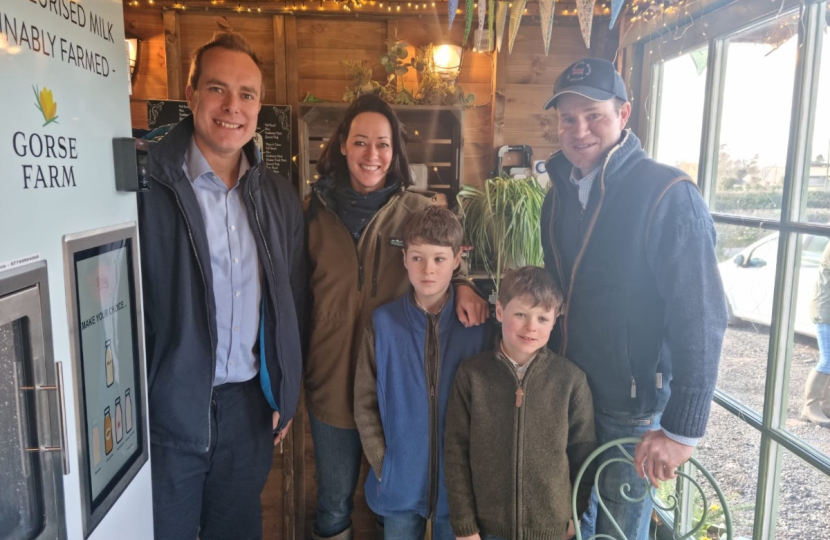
{"x":46,"y":105}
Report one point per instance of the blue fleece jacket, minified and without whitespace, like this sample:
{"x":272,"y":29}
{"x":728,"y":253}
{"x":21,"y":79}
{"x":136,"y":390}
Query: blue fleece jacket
{"x":413,"y":357}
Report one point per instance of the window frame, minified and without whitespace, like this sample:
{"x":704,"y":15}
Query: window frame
{"x":645,"y":47}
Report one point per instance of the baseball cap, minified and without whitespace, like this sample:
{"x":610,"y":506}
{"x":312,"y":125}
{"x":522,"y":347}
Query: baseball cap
{"x":592,"y":78}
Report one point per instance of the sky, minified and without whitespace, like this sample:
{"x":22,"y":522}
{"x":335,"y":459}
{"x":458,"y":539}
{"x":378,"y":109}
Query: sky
{"x":756,"y":109}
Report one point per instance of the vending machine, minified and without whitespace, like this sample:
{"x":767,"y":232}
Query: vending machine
{"x":74,"y":439}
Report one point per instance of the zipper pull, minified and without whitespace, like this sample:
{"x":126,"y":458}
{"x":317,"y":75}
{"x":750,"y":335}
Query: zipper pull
{"x":431,"y":391}
{"x":633,"y":388}
{"x":519,"y":395}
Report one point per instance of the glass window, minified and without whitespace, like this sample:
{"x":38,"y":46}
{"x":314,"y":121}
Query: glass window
{"x":802,"y":506}
{"x":813,"y":300}
{"x":730,"y":451}
{"x":21,"y":503}
{"x":747,"y":268}
{"x":818,"y":158}
{"x":755,"y":119}
{"x":680,"y":117}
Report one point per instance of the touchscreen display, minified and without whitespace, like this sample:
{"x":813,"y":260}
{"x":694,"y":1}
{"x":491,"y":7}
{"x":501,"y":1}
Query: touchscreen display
{"x":109,"y":360}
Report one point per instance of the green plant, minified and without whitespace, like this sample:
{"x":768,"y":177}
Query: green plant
{"x":502,"y":223}
{"x":432,"y":89}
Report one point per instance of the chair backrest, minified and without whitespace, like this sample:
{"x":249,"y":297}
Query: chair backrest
{"x":688,"y":493}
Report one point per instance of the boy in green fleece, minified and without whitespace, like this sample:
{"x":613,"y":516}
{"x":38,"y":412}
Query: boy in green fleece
{"x":520,"y":423}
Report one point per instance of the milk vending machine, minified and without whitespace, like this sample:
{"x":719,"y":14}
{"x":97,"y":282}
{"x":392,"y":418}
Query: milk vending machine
{"x":74,"y":446}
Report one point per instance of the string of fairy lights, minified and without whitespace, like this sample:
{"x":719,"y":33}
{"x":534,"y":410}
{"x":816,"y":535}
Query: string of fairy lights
{"x":602,"y":8}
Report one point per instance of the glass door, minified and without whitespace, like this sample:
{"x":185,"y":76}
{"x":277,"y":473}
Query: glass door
{"x":32,"y":459}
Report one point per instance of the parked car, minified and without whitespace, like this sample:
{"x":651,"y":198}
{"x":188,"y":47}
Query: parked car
{"x":749,"y":281}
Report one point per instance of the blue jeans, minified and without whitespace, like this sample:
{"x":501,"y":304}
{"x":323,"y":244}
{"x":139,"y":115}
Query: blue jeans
{"x":413,"y":527}
{"x":337,"y":456}
{"x":632,"y":518}
{"x":823,"y":331}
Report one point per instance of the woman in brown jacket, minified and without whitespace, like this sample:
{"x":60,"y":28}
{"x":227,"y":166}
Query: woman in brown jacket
{"x":355,"y":219}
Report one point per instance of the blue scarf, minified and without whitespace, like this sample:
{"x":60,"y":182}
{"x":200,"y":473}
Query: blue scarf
{"x":356,"y":209}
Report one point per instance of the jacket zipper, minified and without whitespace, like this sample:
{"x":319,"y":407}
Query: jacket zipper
{"x":377,"y":265}
{"x":519,"y":416}
{"x":273,"y":279}
{"x":432,"y":380}
{"x":207,"y":301}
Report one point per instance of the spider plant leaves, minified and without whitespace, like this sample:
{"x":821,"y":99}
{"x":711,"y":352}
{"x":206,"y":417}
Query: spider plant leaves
{"x":502,"y":223}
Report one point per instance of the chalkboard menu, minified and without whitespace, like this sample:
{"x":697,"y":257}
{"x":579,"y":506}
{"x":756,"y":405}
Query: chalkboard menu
{"x":273,"y":130}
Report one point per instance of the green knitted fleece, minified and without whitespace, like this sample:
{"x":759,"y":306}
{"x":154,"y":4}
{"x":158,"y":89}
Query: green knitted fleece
{"x":509,"y":469}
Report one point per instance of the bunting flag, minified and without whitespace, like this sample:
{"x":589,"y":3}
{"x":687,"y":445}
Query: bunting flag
{"x":616,"y":7}
{"x":491,"y":9}
{"x":585,"y":9}
{"x":468,"y":14}
{"x":546,"y":14}
{"x":501,"y":19}
{"x":701,"y":58}
{"x":515,"y":19}
{"x":452,"y":6}
{"x":482,"y":14}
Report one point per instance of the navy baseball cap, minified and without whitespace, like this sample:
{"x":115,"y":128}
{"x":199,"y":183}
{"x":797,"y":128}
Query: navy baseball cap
{"x":591,"y":78}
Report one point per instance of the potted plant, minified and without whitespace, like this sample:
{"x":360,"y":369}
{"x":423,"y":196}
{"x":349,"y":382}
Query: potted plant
{"x":502,"y":224}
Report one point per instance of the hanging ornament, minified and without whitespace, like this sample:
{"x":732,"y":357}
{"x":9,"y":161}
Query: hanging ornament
{"x":468,"y":14}
{"x":515,"y":19}
{"x":585,"y":8}
{"x":616,"y":7}
{"x":491,"y":9}
{"x":546,"y":14}
{"x":501,"y":19}
{"x":482,"y":14}
{"x":452,"y":6}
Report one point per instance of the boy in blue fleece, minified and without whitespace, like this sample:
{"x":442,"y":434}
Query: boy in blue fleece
{"x":405,"y":370}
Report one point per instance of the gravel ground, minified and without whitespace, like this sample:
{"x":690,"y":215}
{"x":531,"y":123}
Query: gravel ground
{"x":731,"y":447}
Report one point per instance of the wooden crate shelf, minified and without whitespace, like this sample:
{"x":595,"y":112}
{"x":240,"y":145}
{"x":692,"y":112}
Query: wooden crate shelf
{"x":435,"y":138}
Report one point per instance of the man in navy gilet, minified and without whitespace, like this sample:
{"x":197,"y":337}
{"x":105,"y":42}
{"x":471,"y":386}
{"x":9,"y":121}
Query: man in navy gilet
{"x":632,"y":244}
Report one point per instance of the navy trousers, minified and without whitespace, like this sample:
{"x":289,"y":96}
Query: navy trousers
{"x":215,"y":494}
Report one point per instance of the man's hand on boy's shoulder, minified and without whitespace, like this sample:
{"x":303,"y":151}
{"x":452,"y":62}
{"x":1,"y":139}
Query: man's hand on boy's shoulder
{"x":476,"y":536}
{"x":472,"y":309}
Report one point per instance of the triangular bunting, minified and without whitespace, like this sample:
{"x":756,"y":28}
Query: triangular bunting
{"x":515,"y":19}
{"x":482,"y":14}
{"x":546,"y":14}
{"x":585,"y":9}
{"x":501,"y":19}
{"x":616,"y":7}
{"x":452,"y":7}
{"x":491,"y":10}
{"x":468,"y":14}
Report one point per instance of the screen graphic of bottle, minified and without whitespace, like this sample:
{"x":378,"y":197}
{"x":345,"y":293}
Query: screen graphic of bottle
{"x":128,"y":410}
{"x":107,"y":431}
{"x":119,"y":427}
{"x":108,"y":362}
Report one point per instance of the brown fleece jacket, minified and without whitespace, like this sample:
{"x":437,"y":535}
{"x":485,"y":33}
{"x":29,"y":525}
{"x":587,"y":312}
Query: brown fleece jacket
{"x":510,"y":457}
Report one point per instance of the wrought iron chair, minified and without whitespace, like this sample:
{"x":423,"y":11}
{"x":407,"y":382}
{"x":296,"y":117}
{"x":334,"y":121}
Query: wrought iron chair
{"x":687,"y":490}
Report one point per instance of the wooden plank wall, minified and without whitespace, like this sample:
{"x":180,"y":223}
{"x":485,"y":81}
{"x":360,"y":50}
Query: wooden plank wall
{"x":302,"y":54}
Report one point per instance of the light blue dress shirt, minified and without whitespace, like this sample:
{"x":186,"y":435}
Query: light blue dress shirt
{"x":233,"y":259}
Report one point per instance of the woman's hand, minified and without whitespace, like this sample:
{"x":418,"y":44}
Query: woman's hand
{"x":472,"y":310}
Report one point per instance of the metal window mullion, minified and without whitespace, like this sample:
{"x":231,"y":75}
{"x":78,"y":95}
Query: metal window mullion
{"x":710,"y":131}
{"x":655,"y":68}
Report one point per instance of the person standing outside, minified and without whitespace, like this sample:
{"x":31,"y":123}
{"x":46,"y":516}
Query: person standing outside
{"x":817,"y":389}
{"x":632,"y":244}
{"x":222,"y":255}
{"x":355,"y":221}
